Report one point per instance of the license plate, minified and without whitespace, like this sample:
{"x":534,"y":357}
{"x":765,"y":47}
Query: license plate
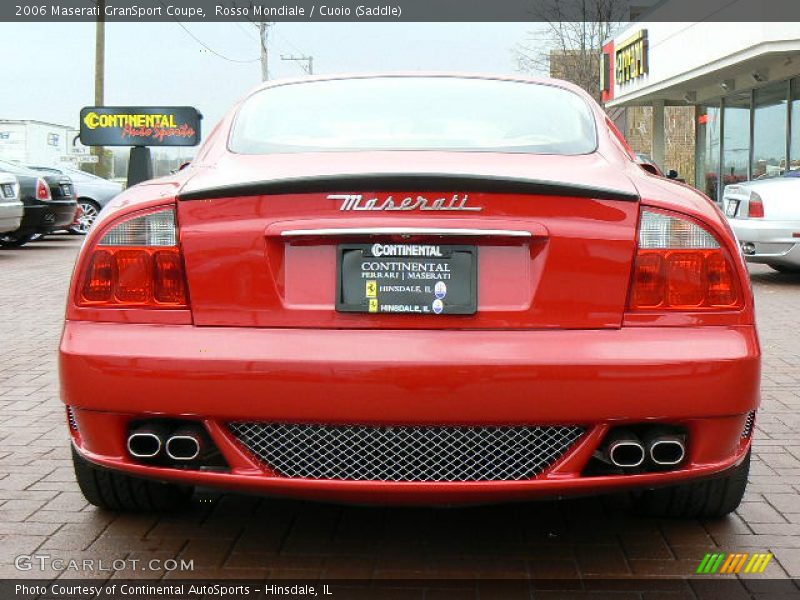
{"x":731,"y":208}
{"x":421,"y":279}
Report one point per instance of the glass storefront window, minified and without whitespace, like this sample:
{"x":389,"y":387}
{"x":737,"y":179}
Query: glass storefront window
{"x":794,"y":141}
{"x":769,"y":131}
{"x":735,"y":138}
{"x":707,"y":150}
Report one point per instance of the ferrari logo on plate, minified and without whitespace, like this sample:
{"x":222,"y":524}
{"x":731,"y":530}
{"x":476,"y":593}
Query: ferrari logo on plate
{"x":372,"y":289}
{"x":373,"y":305}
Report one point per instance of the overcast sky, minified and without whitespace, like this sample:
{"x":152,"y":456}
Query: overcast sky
{"x":48,"y":68}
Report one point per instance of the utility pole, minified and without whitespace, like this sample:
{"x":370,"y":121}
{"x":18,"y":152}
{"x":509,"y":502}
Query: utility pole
{"x":308,"y":67}
{"x":263,"y":34}
{"x":99,"y":77}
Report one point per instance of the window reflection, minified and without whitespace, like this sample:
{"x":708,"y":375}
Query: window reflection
{"x":794,"y":142}
{"x":769,"y":131}
{"x":736,"y":138}
{"x":707,"y":167}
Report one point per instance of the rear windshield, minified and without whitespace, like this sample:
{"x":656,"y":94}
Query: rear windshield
{"x":415,"y":113}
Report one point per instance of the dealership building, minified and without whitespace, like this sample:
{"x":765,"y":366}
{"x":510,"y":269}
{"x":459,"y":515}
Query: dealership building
{"x":734,"y":86}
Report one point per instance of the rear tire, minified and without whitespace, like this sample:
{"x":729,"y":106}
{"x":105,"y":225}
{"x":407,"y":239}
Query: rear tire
{"x":705,"y":499}
{"x":786,"y":269}
{"x":121,"y":492}
{"x":14,"y":239}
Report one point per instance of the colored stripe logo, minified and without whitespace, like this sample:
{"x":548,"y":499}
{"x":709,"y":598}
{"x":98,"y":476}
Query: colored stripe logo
{"x":722,"y":563}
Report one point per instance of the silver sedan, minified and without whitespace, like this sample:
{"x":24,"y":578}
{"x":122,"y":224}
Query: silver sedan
{"x":765,"y":216}
{"x":11,"y":208}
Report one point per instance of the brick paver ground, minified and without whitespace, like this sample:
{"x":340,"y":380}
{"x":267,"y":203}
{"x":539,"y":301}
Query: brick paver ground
{"x":42,"y":512}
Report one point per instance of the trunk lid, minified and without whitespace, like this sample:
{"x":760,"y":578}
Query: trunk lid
{"x":550,"y":239}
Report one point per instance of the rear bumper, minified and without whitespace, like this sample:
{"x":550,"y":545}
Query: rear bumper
{"x":775,"y":242}
{"x":705,"y":379}
{"x":44,"y":217}
{"x":10,"y":215}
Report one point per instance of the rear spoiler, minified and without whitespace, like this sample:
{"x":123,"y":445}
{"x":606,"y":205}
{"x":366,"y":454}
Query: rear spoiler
{"x":418,"y":182}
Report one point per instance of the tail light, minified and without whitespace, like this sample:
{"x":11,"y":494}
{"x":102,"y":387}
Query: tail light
{"x":137,"y":264}
{"x":681,"y":266}
{"x":42,"y":190}
{"x":755,"y":207}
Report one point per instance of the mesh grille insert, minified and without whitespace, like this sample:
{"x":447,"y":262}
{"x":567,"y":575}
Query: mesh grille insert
{"x":71,"y":418}
{"x":748,"y":425}
{"x":406,"y":453}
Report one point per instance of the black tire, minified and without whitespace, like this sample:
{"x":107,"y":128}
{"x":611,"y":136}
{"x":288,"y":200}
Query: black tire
{"x":15,"y":239}
{"x":121,"y":492}
{"x":786,"y":269}
{"x":708,"y":498}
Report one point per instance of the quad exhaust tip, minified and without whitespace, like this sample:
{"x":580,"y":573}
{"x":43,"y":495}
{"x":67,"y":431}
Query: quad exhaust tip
{"x":184,"y":445}
{"x":144,"y":444}
{"x":667,"y":451}
{"x":626,"y":452}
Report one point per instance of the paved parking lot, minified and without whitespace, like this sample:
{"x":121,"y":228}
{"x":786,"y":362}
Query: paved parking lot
{"x":41,"y":510}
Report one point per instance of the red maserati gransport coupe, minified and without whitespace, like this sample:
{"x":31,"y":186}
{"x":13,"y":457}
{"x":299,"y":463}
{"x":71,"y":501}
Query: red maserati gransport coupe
{"x":419,"y":289}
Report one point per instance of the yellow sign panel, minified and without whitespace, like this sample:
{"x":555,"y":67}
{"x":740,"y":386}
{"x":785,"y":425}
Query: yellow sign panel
{"x":631,"y":58}
{"x":373,"y":305}
{"x":372,"y":289}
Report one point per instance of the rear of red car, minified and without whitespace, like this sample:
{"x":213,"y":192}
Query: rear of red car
{"x":414,"y":324}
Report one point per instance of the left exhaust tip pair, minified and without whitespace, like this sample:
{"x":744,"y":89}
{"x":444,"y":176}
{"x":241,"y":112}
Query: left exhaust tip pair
{"x":150,"y":441}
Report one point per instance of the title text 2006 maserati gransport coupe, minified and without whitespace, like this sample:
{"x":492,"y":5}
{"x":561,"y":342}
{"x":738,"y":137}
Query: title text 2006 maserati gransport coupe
{"x":412,"y":289}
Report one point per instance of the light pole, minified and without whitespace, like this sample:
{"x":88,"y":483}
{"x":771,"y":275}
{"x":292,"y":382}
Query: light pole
{"x":99,"y":78}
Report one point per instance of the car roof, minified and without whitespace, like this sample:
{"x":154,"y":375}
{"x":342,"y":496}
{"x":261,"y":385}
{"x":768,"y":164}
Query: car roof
{"x":550,"y":81}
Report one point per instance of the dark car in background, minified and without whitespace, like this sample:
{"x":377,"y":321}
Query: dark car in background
{"x":92,"y":192}
{"x":49,"y":201}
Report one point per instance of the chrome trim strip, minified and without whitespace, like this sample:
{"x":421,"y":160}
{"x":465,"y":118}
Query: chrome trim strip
{"x":405,"y":231}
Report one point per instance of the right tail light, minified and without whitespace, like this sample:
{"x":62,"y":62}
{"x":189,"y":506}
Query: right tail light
{"x":136,"y":264}
{"x":43,"y":190}
{"x":680,"y":266}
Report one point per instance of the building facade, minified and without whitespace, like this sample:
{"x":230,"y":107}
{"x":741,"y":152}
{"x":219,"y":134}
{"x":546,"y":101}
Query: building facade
{"x":740,"y":80}
{"x":37,"y":142}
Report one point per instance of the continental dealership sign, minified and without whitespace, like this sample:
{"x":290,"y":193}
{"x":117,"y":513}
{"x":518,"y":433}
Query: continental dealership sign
{"x":140,"y":126}
{"x":631,"y":58}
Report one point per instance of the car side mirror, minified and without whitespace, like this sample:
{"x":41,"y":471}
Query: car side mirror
{"x":672,"y":174}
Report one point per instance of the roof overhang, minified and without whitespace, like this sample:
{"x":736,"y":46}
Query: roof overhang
{"x":780,"y":59}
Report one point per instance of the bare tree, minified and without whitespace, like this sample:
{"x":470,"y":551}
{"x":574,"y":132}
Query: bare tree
{"x":569,"y":42}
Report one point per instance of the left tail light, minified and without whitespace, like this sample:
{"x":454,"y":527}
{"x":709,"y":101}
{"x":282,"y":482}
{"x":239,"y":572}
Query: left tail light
{"x":755,"y":207}
{"x":136,"y":264}
{"x":680,"y":266}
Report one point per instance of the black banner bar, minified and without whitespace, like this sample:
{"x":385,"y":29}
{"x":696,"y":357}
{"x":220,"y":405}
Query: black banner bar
{"x":400,"y":10}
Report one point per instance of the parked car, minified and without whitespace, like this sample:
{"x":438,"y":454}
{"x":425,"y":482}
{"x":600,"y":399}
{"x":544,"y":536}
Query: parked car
{"x":648,"y":164}
{"x":49,"y":204}
{"x":765,"y":215}
{"x":11,"y":207}
{"x":92,"y":192}
{"x":448,"y":289}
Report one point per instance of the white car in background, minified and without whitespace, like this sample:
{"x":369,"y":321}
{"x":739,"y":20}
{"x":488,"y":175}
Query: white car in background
{"x":11,"y":207}
{"x":765,"y":215}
